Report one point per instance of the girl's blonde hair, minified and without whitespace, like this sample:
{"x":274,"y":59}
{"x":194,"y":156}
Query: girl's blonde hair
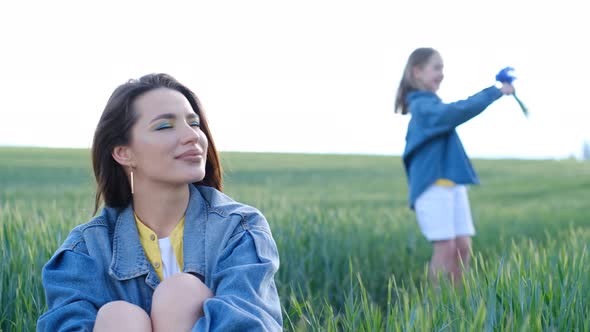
{"x":418,"y":58}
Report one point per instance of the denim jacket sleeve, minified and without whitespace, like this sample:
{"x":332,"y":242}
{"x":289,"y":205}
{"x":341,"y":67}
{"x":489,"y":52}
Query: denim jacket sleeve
{"x":436,"y":115}
{"x":71,"y":296}
{"x":246,"y":298}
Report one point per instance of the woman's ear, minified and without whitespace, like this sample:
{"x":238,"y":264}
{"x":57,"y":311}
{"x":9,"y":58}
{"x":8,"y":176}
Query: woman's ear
{"x":123,"y":155}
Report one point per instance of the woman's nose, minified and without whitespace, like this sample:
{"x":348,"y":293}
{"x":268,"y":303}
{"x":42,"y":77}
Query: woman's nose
{"x":190,"y":134}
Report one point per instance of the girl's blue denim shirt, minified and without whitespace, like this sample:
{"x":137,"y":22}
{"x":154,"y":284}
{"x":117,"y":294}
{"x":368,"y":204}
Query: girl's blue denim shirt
{"x":228,"y":245}
{"x":433,"y":147}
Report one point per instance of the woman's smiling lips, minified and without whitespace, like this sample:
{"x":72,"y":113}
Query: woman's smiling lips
{"x":190,"y":155}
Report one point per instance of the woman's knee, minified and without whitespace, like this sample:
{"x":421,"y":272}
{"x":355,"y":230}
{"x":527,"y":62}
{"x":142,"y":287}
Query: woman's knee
{"x":184,"y":287}
{"x":178,"y":298}
{"x":122,"y":316}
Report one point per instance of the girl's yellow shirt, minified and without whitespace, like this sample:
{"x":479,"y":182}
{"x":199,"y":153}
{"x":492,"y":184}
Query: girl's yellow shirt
{"x":444,"y":183}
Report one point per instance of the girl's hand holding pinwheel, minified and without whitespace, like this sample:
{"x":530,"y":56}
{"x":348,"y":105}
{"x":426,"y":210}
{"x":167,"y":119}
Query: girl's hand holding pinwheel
{"x":506,"y":77}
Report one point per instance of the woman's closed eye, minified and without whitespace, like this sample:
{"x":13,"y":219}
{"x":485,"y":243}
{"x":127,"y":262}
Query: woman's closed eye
{"x":163,"y":125}
{"x":194,"y":123}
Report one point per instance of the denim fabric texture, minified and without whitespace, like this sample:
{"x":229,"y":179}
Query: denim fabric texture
{"x":433,"y":147}
{"x":228,"y":245}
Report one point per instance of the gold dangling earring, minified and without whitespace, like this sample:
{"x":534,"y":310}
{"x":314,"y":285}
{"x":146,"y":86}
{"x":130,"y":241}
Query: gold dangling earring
{"x":131,"y":175}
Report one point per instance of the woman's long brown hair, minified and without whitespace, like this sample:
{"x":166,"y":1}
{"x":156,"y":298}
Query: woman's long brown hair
{"x":114,"y":129}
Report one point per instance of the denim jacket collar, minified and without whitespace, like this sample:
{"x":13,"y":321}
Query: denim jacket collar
{"x":129,"y":260}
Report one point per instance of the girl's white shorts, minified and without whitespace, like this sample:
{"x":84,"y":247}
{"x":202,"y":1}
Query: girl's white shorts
{"x":443,"y":213}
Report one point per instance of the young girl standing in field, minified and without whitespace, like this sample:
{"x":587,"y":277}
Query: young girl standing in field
{"x":436,"y":164}
{"x":169,"y":251}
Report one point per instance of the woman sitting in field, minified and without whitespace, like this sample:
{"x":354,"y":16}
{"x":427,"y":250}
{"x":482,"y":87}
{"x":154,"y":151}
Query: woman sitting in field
{"x":169,"y":251}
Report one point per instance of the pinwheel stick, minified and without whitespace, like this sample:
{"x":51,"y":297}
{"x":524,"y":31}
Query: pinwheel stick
{"x":524,"y":109}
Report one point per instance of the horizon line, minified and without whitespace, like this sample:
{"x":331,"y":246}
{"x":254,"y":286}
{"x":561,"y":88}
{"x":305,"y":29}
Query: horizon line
{"x":327,"y":153}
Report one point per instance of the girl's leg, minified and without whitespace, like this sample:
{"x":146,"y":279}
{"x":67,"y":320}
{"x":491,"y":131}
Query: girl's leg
{"x":463,"y":244}
{"x":122,"y":316}
{"x":463,"y":226}
{"x":178,"y":303}
{"x":444,"y":260}
{"x":451,"y":258}
{"x":442,"y":212}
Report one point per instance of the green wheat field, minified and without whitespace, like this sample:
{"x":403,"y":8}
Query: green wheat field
{"x":352,"y":256}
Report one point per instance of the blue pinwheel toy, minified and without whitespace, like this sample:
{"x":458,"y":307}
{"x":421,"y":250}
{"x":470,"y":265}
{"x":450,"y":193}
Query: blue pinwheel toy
{"x":506,"y":75}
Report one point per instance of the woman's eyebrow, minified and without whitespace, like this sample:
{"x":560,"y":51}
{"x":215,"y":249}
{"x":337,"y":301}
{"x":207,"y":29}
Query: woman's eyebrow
{"x":167,"y":116}
{"x":193,"y":116}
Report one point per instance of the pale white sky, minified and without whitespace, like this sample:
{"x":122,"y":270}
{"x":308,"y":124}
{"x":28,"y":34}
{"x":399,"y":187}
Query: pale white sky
{"x":298,"y":76}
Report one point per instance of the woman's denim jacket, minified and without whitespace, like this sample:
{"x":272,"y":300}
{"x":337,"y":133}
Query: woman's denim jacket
{"x":226,"y":244}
